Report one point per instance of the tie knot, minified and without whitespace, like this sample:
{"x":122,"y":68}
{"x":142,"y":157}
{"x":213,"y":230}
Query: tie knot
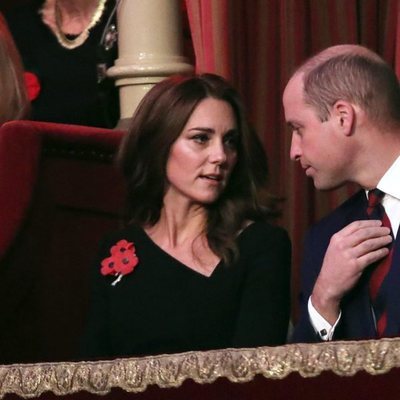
{"x":374,"y":198}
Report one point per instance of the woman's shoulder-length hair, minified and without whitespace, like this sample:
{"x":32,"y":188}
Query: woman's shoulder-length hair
{"x":157,"y":123}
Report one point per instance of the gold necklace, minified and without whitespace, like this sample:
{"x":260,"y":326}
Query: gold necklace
{"x":80,"y":39}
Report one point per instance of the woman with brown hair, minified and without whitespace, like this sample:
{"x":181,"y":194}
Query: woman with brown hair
{"x":198,"y":266}
{"x":14,"y":103}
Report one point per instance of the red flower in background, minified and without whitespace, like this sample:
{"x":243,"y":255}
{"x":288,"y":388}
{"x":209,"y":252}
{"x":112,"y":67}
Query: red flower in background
{"x":122,"y":261}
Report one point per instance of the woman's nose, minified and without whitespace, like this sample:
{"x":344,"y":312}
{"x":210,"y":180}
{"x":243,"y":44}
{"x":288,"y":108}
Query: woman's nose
{"x":217,"y":153}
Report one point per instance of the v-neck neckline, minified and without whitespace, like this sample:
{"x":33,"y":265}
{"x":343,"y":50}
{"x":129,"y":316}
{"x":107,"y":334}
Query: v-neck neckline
{"x":171,"y":257}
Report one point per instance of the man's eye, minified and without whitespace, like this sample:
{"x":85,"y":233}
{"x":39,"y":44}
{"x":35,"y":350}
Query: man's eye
{"x":296,"y":130}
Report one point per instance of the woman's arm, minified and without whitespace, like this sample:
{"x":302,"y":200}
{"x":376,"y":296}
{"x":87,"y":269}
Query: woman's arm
{"x":264,"y":312}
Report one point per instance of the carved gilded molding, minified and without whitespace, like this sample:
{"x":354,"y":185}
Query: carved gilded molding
{"x":238,"y":365}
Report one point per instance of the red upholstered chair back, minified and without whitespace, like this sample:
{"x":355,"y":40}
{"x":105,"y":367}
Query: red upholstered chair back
{"x":59,"y":194}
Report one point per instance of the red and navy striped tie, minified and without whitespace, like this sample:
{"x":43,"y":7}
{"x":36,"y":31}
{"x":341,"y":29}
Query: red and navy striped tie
{"x":377,"y":290}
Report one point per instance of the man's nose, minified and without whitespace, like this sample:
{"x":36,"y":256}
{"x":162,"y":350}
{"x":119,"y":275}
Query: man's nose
{"x":295,"y":149}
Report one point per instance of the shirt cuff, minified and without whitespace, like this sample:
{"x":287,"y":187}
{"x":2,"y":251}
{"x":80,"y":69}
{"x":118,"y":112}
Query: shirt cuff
{"x":321,"y":326}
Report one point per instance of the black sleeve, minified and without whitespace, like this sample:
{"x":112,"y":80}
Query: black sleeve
{"x":265,"y":305}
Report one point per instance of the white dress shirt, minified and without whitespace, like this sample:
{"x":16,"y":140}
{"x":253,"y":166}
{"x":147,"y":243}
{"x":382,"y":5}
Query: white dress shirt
{"x":389,"y":184}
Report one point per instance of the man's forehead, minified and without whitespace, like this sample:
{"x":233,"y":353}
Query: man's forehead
{"x":295,"y":84}
{"x":293,"y":92}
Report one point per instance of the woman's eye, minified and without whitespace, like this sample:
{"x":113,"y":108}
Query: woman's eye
{"x":200,"y":138}
{"x":231,"y":141}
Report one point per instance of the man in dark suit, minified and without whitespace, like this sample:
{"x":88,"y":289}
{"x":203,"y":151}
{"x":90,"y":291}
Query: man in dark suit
{"x":343,"y":106}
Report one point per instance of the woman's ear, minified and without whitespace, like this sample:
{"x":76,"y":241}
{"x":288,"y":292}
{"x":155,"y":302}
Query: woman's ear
{"x":344,"y":114}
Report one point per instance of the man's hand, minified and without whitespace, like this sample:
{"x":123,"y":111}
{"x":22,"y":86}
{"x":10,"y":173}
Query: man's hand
{"x":350,"y":251}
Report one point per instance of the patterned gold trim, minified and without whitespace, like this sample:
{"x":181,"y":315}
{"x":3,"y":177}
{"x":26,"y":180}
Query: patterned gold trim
{"x":238,"y":365}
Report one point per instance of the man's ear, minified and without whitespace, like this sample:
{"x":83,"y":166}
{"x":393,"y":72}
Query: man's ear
{"x":344,"y":115}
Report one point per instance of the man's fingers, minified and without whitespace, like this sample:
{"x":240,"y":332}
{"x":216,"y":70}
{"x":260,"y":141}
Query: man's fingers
{"x":373,"y":256}
{"x":361,"y":224}
{"x":360,"y":243}
{"x":372,"y":244}
{"x":359,"y":233}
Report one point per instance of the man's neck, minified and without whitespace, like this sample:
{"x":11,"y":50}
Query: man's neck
{"x":376,"y":156}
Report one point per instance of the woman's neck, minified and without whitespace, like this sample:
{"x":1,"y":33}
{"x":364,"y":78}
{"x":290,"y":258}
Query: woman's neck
{"x":181,"y":233}
{"x":179,"y":225}
{"x":73,"y":15}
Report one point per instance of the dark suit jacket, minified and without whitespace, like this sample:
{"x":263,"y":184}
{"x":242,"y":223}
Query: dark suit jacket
{"x":357,"y":320}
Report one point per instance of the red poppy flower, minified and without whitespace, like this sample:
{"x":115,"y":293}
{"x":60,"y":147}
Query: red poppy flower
{"x":32,"y":85}
{"x":122,"y":261}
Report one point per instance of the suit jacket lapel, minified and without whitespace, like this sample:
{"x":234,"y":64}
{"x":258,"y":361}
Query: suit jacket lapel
{"x":392,"y":287}
{"x":360,"y":323}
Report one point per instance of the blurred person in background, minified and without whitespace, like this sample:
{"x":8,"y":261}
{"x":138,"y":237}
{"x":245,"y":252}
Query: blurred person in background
{"x":66,"y":46}
{"x":14,"y":102}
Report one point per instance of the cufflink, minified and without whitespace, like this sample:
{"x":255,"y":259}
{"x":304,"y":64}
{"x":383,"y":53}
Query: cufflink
{"x":323,"y":332}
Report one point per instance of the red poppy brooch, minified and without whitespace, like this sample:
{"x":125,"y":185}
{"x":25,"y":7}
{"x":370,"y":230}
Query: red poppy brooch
{"x":32,"y":85}
{"x":122,"y":261}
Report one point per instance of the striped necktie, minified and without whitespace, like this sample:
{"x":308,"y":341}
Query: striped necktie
{"x":377,"y":290}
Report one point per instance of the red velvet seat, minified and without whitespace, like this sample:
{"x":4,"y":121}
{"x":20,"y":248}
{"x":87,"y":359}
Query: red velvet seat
{"x":60,"y":193}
